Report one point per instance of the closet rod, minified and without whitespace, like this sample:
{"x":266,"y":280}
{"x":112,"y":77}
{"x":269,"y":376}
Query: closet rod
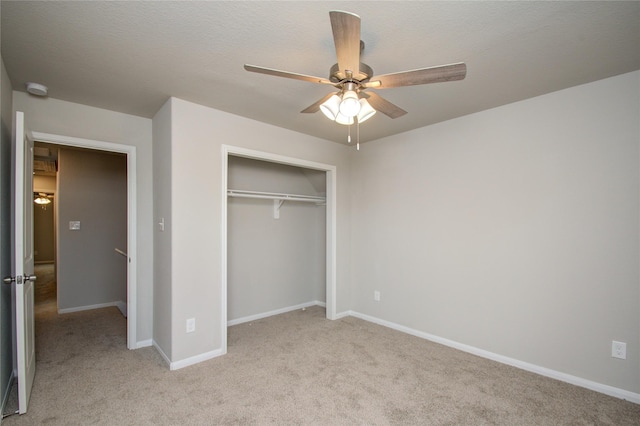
{"x":274,"y":196}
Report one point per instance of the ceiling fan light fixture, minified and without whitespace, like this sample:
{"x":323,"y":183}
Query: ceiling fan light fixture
{"x":344,"y":119}
{"x":41,"y":200}
{"x":350,"y":106}
{"x":331,"y":107}
{"x":366,"y":111}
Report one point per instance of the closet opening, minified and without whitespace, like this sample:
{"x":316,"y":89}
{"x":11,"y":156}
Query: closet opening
{"x":278,"y":243}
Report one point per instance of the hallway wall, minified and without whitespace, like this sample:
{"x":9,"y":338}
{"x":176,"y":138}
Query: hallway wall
{"x":92,"y":189}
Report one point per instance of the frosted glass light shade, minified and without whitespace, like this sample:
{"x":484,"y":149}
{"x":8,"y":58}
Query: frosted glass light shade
{"x":350,"y":105}
{"x":366,"y":111}
{"x":42,"y":200}
{"x":331,"y":107}
{"x":343,"y":119}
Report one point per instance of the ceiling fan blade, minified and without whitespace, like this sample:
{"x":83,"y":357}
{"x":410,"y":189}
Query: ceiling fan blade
{"x":420,"y":76}
{"x":346,"y":37}
{"x":287,"y":74}
{"x":384,"y":106}
{"x":316,"y":106}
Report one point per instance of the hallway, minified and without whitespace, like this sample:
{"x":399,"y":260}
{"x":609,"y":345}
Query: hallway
{"x":45,"y":288}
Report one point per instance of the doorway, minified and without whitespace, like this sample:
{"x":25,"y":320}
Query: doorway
{"x":129,"y":249}
{"x":79,"y":252}
{"x":330,"y":227}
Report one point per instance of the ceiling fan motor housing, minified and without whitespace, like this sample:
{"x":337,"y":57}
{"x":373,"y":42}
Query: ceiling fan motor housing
{"x":337,"y":76}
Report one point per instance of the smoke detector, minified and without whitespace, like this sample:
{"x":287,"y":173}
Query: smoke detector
{"x":37,"y":89}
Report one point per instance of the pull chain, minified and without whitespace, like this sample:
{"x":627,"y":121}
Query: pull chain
{"x":349,"y":135}
{"x":358,"y":136}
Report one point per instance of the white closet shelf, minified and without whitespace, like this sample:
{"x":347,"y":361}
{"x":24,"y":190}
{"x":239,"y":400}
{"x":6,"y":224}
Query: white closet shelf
{"x":275,"y":196}
{"x":278,"y":198}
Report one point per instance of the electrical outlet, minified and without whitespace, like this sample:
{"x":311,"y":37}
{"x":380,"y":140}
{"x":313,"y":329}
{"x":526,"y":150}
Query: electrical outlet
{"x":619,"y":350}
{"x":191,"y":325}
{"x":376,"y":296}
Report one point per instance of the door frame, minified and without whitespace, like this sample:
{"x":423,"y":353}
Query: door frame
{"x":130,"y":151}
{"x":331,"y":259}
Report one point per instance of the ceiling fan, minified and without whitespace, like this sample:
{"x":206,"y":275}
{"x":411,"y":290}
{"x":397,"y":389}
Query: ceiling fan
{"x":351,"y":77}
{"x":42,"y":198}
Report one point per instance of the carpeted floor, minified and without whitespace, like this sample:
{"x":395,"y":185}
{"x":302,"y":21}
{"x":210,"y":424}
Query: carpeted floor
{"x":296,"y":368}
{"x":45,"y":291}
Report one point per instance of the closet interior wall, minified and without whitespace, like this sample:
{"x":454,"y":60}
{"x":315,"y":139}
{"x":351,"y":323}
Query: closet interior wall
{"x":274,"y":263}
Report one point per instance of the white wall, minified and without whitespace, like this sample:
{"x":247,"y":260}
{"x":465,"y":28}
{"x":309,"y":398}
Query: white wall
{"x":513,"y":230}
{"x":92,"y":189}
{"x":197,"y":134}
{"x":58,"y":117}
{"x":273,"y":263}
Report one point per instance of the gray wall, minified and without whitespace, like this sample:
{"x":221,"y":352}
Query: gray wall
{"x":58,"y":117}
{"x":92,"y":189}
{"x":195,"y":136}
{"x":162,"y":302}
{"x":514,"y":230}
{"x":6,"y":317}
{"x":273,"y":263}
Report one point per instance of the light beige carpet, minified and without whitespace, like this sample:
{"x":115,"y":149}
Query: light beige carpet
{"x":297,"y":368}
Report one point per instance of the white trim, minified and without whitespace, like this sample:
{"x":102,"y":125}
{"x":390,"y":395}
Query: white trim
{"x":144,"y":344}
{"x":223,"y":250}
{"x":543,"y":371}
{"x":87,"y":307}
{"x":331,"y":221}
{"x":331,"y":243}
{"x":194,"y":360}
{"x":132,"y":246}
{"x":274,"y":312}
{"x":344,"y":314}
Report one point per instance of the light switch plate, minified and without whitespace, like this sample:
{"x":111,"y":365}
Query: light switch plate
{"x":74,"y":225}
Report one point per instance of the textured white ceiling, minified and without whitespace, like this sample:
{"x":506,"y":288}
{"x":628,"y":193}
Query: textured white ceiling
{"x":131,"y":56}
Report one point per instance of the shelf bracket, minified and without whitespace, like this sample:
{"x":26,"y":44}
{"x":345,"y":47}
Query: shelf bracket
{"x":276,"y":208}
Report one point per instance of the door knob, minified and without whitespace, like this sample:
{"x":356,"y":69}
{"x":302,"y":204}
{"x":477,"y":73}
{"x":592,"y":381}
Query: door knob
{"x":19,"y":279}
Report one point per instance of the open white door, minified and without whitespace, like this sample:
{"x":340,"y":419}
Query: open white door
{"x":23,"y":277}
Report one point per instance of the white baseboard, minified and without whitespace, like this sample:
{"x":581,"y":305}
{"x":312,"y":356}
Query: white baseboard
{"x":344,"y":314}
{"x":176,"y":365}
{"x":144,"y":344}
{"x":574,"y":380}
{"x":87,"y":308}
{"x":275,"y":312}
